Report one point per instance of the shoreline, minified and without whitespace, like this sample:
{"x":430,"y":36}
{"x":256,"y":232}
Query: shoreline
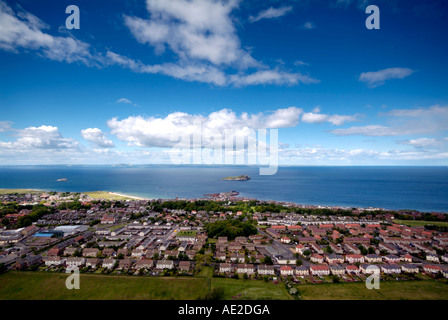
{"x":118,"y":194}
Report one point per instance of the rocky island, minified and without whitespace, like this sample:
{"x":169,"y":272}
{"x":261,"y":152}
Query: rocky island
{"x":237,"y":178}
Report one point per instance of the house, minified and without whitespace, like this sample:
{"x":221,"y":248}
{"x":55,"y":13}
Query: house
{"x":90,"y":252}
{"x":445,"y":258}
{"x":353,"y":258}
{"x":245,"y":268}
{"x":391,"y":258}
{"x":123,"y":251}
{"x":184,"y":266}
{"x":316,"y":248}
{"x":225,"y":267}
{"x":317,"y":258}
{"x":125,"y":264}
{"x":75,"y":262}
{"x":337,"y":270}
{"x":143,"y":264}
{"x":69,"y":251}
{"x":320,"y":270}
{"x":406,"y":258}
{"x":336,"y":249}
{"x":286,"y":271}
{"x":92,"y":262}
{"x":369,"y":269}
{"x":352,"y":269}
{"x":220,"y":255}
{"x":266,"y":270}
{"x":334,"y":258}
{"x":387,"y":247}
{"x":165,"y":264}
{"x":390,"y":269}
{"x":300,"y":248}
{"x":106,"y":219}
{"x":285,"y":240}
{"x":54,"y":252}
{"x":351,"y":248}
{"x":138,"y":253}
{"x":432,"y":257}
{"x":409,"y":268}
{"x":108,"y":252}
{"x":302,"y":271}
{"x":109,"y":263}
{"x":373,"y":258}
{"x":431,"y":269}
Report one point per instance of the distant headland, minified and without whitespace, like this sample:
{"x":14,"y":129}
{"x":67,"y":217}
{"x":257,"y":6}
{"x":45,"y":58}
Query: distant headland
{"x":237,"y":178}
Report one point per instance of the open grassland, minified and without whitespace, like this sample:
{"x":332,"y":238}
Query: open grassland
{"x":5,"y":191}
{"x":107,"y":195}
{"x":238,"y":289}
{"x":51,"y":286}
{"x":393,"y":290}
{"x":420,"y":223}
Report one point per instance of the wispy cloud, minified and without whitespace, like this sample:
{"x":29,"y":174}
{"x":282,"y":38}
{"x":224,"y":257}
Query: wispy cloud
{"x":316,"y":117}
{"x":271,"y":13}
{"x":309,"y":25}
{"x":378,"y":78}
{"x":23,"y":30}
{"x":404,"y":122}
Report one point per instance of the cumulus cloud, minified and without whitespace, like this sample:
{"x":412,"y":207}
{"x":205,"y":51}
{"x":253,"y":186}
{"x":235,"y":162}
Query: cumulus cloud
{"x":378,"y":78}
{"x":196,"y":29}
{"x":23,"y":30}
{"x":316,"y":117}
{"x":43,"y":137}
{"x":270,"y":13}
{"x":203,"y":38}
{"x":164,"y":132}
{"x":97,"y":137}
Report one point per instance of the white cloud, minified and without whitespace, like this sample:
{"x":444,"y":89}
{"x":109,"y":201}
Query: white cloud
{"x":97,"y":138}
{"x":203,"y":38}
{"x":316,"y":117}
{"x":309,"y":25}
{"x":195,"y":29}
{"x":159,"y":132}
{"x":24,"y":30}
{"x":5,"y":125}
{"x":271,"y":13}
{"x":377,"y":78}
{"x":43,"y":137}
{"x":124,"y":100}
{"x":404,"y":122}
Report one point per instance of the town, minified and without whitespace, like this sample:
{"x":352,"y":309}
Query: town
{"x":238,"y":238}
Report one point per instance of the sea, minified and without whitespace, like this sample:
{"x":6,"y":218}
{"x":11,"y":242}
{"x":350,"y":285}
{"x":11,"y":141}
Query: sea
{"x":418,"y":188}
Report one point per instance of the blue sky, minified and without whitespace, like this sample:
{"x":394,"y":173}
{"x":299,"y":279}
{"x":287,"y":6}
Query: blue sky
{"x":138,"y":72}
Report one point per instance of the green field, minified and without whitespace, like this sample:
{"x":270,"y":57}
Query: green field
{"x":419,"y":223}
{"x":393,"y":290}
{"x":51,"y":286}
{"x":5,"y":191}
{"x":106,"y":195}
{"x":238,"y":289}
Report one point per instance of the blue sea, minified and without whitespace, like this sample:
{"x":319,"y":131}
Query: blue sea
{"x":418,"y":188}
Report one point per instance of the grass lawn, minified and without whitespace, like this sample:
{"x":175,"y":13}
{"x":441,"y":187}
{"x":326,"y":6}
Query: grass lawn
{"x":106,"y":195}
{"x":250,"y":289}
{"x":186,"y":233}
{"x":5,"y":191}
{"x":418,"y":223}
{"x":394,"y":290}
{"x":51,"y":286}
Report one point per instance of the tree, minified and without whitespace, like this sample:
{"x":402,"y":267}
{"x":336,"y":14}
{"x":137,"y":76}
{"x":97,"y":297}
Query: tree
{"x":299,"y":262}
